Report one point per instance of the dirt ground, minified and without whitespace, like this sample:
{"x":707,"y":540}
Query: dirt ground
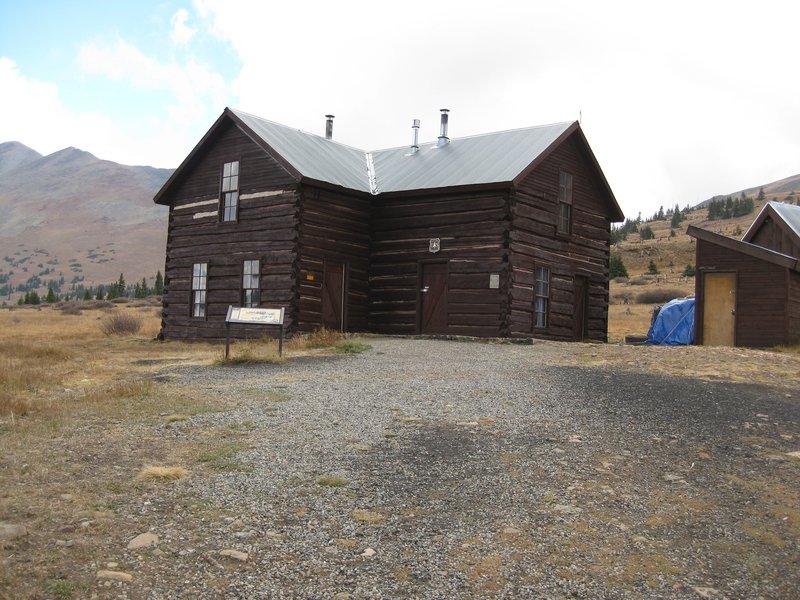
{"x":75,"y":487}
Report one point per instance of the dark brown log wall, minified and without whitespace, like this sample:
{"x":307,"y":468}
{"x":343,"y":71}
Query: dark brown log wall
{"x":472,"y":227}
{"x":761,"y":295}
{"x":266,"y":230}
{"x":534,"y":242}
{"x":333,"y":227}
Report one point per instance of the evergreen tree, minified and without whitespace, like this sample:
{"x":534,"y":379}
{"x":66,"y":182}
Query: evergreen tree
{"x":87,"y":294}
{"x":51,"y":297}
{"x":158,"y":286}
{"x":616,"y":268}
{"x":652,"y":268}
{"x":646,"y":233}
{"x":33,"y":298}
{"x":761,"y":195}
{"x":121,"y":286}
{"x":689,"y":271}
{"x":101,"y":293}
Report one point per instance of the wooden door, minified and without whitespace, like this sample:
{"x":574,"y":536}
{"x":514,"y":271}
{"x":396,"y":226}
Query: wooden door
{"x":433,"y":298}
{"x":581,"y":301}
{"x":334,"y":301}
{"x":719,"y":309}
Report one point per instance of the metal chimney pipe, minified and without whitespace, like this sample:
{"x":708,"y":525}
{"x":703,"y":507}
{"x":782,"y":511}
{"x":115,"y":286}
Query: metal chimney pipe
{"x":329,"y":127}
{"x":415,"y":137}
{"x":443,"y":139}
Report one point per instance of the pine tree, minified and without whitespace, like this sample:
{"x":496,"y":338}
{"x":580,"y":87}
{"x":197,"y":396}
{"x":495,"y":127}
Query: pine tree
{"x":652,"y":268}
{"x":646,"y":233}
{"x":616,"y":268}
{"x":121,"y":286}
{"x":158,"y":286}
{"x":51,"y":297}
{"x":87,"y":294}
{"x":761,"y":195}
{"x":101,"y":293}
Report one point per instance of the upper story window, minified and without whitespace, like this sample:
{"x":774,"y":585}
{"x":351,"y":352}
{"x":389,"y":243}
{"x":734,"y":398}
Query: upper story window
{"x":230,"y":191}
{"x":541,"y":297}
{"x":251,"y":288}
{"x":199,"y":287}
{"x":564,"y":203}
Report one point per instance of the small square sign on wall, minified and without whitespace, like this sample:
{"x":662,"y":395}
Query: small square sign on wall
{"x":494,"y":281}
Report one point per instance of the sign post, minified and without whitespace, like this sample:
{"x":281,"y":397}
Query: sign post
{"x":253,"y":316}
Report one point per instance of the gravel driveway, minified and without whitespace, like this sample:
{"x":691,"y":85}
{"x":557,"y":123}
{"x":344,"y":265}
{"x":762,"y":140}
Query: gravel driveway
{"x":436,"y":469}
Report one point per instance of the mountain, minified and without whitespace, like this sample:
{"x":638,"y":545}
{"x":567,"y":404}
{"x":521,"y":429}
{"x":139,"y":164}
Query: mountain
{"x":777,"y":190}
{"x":74,"y":216}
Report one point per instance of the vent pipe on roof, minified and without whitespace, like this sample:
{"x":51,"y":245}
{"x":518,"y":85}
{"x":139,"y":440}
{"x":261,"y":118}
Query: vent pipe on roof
{"x":415,"y":137}
{"x":329,"y":127}
{"x":443,"y":139}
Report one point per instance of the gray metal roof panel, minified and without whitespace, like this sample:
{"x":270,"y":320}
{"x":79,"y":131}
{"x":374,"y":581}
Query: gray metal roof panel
{"x":488,"y":158}
{"x":790,"y":213}
{"x":311,"y":155}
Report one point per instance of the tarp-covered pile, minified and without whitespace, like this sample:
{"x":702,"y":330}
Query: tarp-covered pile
{"x":674,"y":325}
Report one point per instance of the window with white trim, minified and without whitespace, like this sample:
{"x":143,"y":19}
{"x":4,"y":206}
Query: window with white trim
{"x":230,"y":191}
{"x":199,"y":289}
{"x":251,"y":286}
{"x":541,"y":297}
{"x":564,"y":203}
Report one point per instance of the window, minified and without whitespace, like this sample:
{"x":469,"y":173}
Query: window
{"x":564,"y":203}
{"x":541,"y":297}
{"x":251,"y":290}
{"x":199,"y":287}
{"x":230,"y":191}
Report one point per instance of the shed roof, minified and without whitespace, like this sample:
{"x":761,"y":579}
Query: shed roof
{"x":494,"y":158}
{"x":789,"y":214}
{"x":778,"y":258}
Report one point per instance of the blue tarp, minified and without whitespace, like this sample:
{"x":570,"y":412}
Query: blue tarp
{"x":674,"y":325}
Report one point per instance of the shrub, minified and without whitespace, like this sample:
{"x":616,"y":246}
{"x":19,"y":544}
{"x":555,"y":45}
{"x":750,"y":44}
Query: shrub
{"x":652,"y":268}
{"x":646,"y":233}
{"x":638,"y":281}
{"x":120,"y":323}
{"x":658,"y":296}
{"x":689,"y":271}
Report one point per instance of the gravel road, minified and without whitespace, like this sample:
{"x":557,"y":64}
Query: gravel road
{"x":439,"y":469}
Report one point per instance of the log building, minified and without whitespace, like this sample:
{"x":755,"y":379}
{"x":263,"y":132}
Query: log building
{"x":503,"y":234}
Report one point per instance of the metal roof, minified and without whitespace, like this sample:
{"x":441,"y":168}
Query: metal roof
{"x":489,"y":158}
{"x":311,"y":155}
{"x":788,"y":213}
{"x":502,"y":157}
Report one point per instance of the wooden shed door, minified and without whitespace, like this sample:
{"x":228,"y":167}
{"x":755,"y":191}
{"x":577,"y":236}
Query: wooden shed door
{"x":579,"y":324}
{"x":719,"y":309}
{"x":333,"y":296}
{"x":433,"y":298}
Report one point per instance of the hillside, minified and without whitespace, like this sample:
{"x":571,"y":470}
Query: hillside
{"x":72,"y":216}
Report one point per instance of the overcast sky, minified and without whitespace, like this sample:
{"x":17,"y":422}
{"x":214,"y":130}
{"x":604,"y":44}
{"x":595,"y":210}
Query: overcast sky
{"x":679,"y":100}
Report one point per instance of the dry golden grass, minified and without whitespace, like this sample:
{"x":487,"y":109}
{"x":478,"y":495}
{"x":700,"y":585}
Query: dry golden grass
{"x":162,"y":473}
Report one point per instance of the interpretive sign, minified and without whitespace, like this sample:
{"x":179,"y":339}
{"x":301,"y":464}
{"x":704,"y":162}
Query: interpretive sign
{"x":253,"y":316}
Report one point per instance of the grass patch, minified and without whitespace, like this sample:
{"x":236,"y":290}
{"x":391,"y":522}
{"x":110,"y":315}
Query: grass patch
{"x":367,"y":516}
{"x":153,"y":473}
{"x":321,"y":338}
{"x":125,"y":390}
{"x":175,"y":418}
{"x":223,"y":458}
{"x":332,"y":481}
{"x":60,"y":588}
{"x":351,"y":347}
{"x":788,"y":349}
{"x":121,"y":323}
{"x":277,"y":396}
{"x":250,"y":352}
{"x":658,"y":296}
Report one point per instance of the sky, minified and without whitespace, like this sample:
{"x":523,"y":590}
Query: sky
{"x":679,"y":100}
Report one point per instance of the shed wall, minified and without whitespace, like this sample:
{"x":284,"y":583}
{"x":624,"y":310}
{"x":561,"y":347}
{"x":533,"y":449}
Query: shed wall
{"x":776,"y":237}
{"x":761,"y":295}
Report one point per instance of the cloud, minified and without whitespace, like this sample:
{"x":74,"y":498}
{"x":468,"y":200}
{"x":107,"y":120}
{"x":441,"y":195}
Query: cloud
{"x":181,"y":34}
{"x":195,"y":88}
{"x":32,"y":112}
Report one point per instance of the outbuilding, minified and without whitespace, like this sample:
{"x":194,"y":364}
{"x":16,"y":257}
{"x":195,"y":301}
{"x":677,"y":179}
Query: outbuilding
{"x":503,"y":234}
{"x":747,"y":294}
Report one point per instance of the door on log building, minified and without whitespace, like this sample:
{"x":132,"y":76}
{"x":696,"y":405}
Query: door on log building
{"x":719,"y":309}
{"x":433,"y":298}
{"x":579,"y":324}
{"x":334,"y":300}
